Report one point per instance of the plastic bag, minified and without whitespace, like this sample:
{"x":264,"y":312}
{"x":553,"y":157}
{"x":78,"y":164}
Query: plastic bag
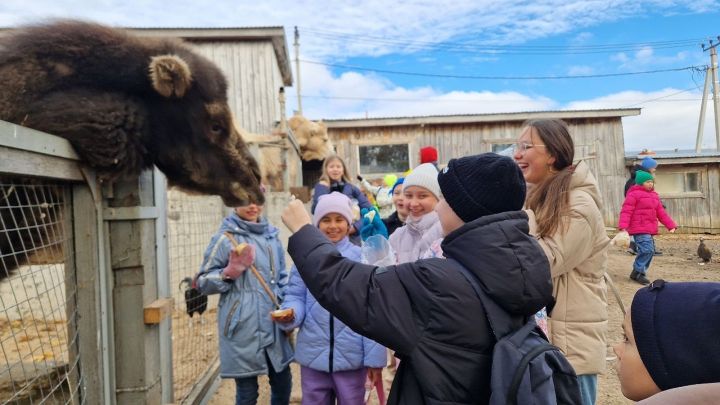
{"x":377,"y":251}
{"x":622,"y":239}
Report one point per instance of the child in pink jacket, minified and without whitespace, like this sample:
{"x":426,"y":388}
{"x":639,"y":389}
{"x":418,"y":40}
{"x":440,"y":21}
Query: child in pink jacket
{"x":639,"y":216}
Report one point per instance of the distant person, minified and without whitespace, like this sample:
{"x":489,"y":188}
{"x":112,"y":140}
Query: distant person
{"x":429,"y":154}
{"x":334,"y":360}
{"x":639,"y":216}
{"x":670,"y":354}
{"x":649,"y":165}
{"x":398,"y":217}
{"x":335,"y":178}
{"x":250,"y":343}
{"x":426,"y":310}
{"x":564,"y":208}
{"x":380,"y":193}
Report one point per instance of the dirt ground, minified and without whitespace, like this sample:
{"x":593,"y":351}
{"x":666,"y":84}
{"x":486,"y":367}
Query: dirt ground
{"x":677,"y":263}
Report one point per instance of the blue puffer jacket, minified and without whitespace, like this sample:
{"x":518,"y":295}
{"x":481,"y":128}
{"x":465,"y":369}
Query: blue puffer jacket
{"x":244,"y":326}
{"x":324,"y":343}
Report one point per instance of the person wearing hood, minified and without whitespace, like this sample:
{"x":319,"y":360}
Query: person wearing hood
{"x":251,"y":344}
{"x":564,"y":208}
{"x":426,"y":310}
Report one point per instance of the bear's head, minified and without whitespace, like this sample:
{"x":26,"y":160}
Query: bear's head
{"x":126,"y":103}
{"x":312,"y":137}
{"x":197,"y":142}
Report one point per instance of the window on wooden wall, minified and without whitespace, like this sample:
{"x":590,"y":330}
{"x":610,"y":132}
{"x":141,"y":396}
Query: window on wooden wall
{"x":505,"y":149}
{"x":380,"y":159}
{"x":678,"y":183}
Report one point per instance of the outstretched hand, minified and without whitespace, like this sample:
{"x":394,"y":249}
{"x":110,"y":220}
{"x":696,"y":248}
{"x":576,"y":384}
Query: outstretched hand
{"x":372,"y":224}
{"x":295,"y":216}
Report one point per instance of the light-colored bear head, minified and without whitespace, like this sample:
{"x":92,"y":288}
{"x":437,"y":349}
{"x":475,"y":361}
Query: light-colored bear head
{"x":312,"y":138}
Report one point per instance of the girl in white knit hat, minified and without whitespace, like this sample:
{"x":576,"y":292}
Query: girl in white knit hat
{"x":422,"y":227}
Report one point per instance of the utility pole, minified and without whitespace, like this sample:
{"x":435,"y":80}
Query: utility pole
{"x":297,"y":70}
{"x":711,"y":76}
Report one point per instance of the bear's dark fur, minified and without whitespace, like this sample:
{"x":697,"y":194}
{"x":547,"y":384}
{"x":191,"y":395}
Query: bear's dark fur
{"x":126,"y":103}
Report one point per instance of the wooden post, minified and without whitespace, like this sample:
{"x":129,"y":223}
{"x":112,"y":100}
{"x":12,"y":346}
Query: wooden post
{"x":131,"y":214}
{"x":87,"y":266}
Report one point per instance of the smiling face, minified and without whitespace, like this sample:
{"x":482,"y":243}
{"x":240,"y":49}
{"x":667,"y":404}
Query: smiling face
{"x":635,"y":381}
{"x":419,"y":200}
{"x":334,"y":226}
{"x":250,"y":213}
{"x":335,"y":170}
{"x":535,"y":161}
{"x":399,"y":200}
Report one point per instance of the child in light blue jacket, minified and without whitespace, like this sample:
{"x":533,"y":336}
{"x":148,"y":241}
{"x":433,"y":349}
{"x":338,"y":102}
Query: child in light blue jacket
{"x":335,"y":361}
{"x":250,"y":343}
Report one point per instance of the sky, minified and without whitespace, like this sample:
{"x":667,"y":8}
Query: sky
{"x":420,"y":57}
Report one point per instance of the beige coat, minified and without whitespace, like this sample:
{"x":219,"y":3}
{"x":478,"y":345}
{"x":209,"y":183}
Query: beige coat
{"x":578,"y":260}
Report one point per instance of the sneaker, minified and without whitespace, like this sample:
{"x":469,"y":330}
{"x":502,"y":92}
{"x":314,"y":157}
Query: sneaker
{"x":634,"y":275}
{"x":642,"y":279}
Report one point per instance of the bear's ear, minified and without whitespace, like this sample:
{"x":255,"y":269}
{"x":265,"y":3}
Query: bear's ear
{"x":170,"y":75}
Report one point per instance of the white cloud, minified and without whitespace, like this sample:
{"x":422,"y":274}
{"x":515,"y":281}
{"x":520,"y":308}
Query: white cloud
{"x":668,"y":122}
{"x":580,"y":70}
{"x":375,"y":30}
{"x":354,"y":95}
{"x":646,"y":56}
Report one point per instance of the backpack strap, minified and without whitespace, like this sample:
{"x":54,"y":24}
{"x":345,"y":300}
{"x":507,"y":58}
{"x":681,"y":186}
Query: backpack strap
{"x":500,"y":321}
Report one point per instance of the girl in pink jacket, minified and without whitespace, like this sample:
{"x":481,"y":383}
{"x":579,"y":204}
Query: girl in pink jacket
{"x":639,"y":216}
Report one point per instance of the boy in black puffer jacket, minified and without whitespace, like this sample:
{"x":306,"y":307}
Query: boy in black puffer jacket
{"x":426,"y":311}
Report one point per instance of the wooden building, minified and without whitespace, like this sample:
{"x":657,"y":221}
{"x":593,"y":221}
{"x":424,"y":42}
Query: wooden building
{"x":689,"y":185}
{"x":373,"y":147}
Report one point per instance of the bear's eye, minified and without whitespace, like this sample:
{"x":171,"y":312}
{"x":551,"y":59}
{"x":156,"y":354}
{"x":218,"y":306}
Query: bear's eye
{"x":217,"y":129}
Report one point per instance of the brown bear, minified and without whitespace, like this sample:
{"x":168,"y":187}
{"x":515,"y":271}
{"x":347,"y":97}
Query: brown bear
{"x":126,"y":103}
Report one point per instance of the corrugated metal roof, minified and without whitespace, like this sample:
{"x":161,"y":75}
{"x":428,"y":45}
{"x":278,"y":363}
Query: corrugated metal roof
{"x":207,"y":28}
{"x":674,"y":154}
{"x":469,"y":118}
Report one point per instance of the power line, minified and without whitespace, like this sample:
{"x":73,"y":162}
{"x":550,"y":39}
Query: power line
{"x":397,"y":72}
{"x":457,"y":100}
{"x":473,"y":47}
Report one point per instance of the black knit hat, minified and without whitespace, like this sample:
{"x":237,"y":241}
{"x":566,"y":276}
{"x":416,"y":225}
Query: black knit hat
{"x":479,"y":185}
{"x":677,"y":330}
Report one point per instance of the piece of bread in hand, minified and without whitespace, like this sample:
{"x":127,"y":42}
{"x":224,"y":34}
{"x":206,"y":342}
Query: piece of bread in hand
{"x":282,"y":313}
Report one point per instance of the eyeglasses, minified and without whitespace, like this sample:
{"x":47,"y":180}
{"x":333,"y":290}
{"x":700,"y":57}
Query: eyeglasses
{"x":522,"y":147}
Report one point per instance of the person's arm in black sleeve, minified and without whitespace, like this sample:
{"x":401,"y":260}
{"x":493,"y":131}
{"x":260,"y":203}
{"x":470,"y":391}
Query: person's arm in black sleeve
{"x":371,"y":300}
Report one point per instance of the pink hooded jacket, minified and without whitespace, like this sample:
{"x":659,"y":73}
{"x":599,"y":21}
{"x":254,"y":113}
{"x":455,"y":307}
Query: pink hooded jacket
{"x":641,"y":211}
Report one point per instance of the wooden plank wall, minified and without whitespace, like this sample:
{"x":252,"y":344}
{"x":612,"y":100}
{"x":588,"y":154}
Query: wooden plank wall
{"x":254,"y":80}
{"x":599,"y":141}
{"x":696,"y":214}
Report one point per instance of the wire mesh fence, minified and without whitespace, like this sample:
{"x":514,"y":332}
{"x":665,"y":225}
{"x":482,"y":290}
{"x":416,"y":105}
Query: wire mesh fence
{"x":192,"y":220}
{"x":38,"y":341}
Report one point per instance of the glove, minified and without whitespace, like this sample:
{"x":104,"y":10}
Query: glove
{"x":372,"y":224}
{"x":241,"y":257}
